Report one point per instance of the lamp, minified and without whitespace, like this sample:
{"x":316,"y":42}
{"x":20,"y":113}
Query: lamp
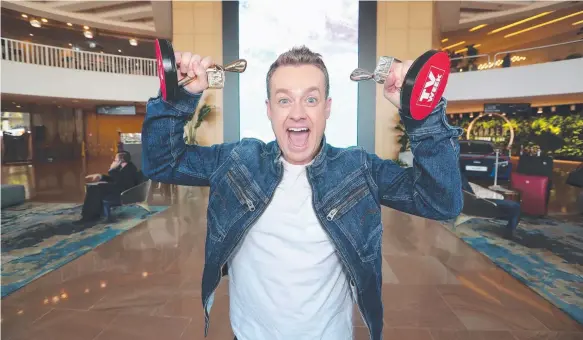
{"x":35,"y":23}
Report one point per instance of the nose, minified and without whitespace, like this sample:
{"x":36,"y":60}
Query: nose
{"x":298,"y":112}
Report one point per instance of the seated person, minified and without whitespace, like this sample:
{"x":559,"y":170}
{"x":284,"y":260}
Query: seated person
{"x":122,"y":175}
{"x":510,"y":208}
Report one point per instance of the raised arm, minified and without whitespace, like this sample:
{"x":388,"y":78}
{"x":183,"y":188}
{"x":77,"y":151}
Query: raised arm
{"x":432,"y":187}
{"x":166,"y":157}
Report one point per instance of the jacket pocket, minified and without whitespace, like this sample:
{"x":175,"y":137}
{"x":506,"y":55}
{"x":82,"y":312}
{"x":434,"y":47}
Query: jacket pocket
{"x":354,"y":211}
{"x":231,"y":197}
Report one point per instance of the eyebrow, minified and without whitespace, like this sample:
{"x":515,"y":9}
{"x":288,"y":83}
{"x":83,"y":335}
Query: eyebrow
{"x":308,"y":90}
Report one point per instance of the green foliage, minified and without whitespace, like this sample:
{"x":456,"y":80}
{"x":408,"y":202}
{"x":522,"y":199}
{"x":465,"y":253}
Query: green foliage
{"x":193,"y":125}
{"x":401,"y":163}
{"x":404,"y":139}
{"x":556,"y":135}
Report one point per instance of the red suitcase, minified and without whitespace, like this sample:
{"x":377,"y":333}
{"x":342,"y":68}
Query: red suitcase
{"x":533,"y":193}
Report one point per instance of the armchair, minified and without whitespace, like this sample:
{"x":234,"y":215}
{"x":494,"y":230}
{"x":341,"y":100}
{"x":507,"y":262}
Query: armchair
{"x":476,"y":207}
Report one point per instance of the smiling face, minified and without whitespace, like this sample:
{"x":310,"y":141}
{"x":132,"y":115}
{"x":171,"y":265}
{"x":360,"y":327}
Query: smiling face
{"x":298,"y":110}
{"x":298,"y":104}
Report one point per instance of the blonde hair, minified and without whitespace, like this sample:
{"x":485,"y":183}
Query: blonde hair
{"x":299,"y":56}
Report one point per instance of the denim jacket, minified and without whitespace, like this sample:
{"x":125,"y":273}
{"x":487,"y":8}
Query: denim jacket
{"x":348,"y":188}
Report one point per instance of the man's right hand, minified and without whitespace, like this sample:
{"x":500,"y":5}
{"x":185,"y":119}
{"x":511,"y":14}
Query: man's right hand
{"x":94,"y":177}
{"x":193,"y":66}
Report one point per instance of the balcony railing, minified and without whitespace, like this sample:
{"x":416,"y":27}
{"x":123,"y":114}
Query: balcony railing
{"x":519,"y":57}
{"x":30,"y":53}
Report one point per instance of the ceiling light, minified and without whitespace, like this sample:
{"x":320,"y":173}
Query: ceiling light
{"x":92,"y":44}
{"x":543,"y":24}
{"x":70,"y":44}
{"x":18,"y":106}
{"x":577,"y":23}
{"x":44,"y":20}
{"x":444,"y":40}
{"x":540,"y":110}
{"x":133,"y":42}
{"x":24,"y":15}
{"x":85,"y":27}
{"x":478,"y":27}
{"x":519,"y":22}
{"x":454,"y":45}
{"x":69,"y":24}
{"x":32,"y":35}
{"x":88,"y":34}
{"x":573,"y":107}
{"x":35,"y":23}
{"x":119,"y":51}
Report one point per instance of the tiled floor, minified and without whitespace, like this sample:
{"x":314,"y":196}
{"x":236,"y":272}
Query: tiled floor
{"x":145,"y":284}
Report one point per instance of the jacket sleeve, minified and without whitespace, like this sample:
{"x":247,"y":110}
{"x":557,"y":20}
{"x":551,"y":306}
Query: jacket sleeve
{"x":112,"y":175}
{"x":432,"y":187}
{"x":166,"y":158}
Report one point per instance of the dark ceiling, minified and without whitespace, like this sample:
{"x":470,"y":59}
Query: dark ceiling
{"x":54,"y":33}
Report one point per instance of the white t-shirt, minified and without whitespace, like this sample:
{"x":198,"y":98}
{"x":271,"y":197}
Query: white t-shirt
{"x":286,"y":282}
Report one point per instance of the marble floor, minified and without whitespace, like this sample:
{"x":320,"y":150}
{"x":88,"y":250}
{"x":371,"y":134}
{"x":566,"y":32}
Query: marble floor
{"x":145,"y":284}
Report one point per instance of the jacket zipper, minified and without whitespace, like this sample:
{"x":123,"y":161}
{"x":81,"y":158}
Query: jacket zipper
{"x":334,"y":211}
{"x":241,"y":192}
{"x":247,"y":228}
{"x":344,"y":262}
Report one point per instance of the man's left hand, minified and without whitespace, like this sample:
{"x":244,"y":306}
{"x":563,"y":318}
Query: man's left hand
{"x":394,"y":82}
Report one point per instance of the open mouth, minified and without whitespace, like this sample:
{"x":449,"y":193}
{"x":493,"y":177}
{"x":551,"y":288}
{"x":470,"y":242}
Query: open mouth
{"x":298,"y":137}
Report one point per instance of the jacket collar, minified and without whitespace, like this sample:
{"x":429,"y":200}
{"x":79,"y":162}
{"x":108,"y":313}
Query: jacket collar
{"x":275,"y":150}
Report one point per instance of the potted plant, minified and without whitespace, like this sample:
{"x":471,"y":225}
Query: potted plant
{"x":405,"y":154}
{"x":193,"y":125}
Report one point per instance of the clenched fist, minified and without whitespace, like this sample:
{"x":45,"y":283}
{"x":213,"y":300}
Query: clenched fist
{"x":394,"y":82}
{"x":193,"y":66}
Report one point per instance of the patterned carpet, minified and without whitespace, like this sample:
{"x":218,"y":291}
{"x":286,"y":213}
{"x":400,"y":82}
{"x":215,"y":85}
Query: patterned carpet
{"x":38,"y":238}
{"x":546,"y":254}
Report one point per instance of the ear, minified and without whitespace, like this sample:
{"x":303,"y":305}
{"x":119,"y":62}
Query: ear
{"x":328,"y":107}
{"x":268,"y":108}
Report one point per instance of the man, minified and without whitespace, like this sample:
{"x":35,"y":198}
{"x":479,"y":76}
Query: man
{"x":296,"y":223}
{"x":511,"y":209}
{"x":122,"y":175}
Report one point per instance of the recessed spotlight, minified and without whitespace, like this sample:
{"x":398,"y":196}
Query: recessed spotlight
{"x":32,"y":35}
{"x":35,"y":23}
{"x":119,"y":51}
{"x":44,"y":20}
{"x":88,"y":34}
{"x":69,"y":24}
{"x":133,"y":42}
{"x":85,"y":27}
{"x":24,"y":15}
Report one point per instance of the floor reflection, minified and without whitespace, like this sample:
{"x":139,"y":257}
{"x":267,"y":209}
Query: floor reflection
{"x":145,"y":283}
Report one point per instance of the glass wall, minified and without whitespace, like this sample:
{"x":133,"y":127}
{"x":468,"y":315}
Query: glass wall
{"x":269,"y":28}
